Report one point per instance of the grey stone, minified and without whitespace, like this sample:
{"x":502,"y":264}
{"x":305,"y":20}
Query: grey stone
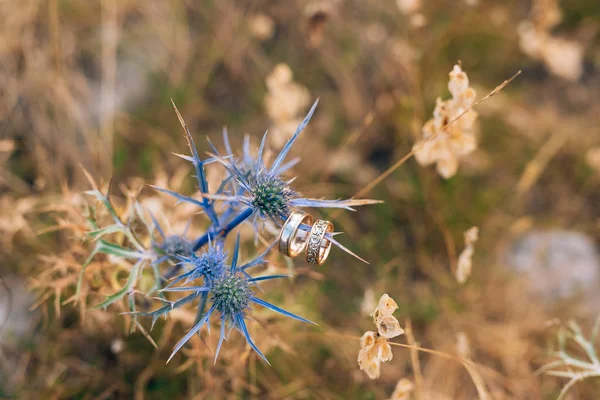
{"x":555,"y":264}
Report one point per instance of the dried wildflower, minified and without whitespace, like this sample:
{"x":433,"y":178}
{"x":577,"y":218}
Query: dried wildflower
{"x":374,"y":350}
{"x":592,"y":158}
{"x":563,"y":58}
{"x":15,"y":222}
{"x":261,"y":26}
{"x":284,"y":103}
{"x":389,"y":327}
{"x":317,"y":13}
{"x":368,"y":302}
{"x":408,"y":7}
{"x":444,"y":144}
{"x":374,"y":346}
{"x":418,"y":20}
{"x":367,"y":341}
{"x":463,"y":348}
{"x":403,"y":389}
{"x":385,"y":307}
{"x":465,"y":263}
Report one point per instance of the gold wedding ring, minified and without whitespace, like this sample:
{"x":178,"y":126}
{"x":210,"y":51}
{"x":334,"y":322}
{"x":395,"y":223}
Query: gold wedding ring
{"x":290,"y":243}
{"x":318,"y":247}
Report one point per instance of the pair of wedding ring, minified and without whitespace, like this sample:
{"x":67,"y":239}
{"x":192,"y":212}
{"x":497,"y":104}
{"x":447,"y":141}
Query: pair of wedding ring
{"x":297,"y":236}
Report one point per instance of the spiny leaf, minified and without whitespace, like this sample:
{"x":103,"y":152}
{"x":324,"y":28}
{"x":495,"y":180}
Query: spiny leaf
{"x":133,"y":274}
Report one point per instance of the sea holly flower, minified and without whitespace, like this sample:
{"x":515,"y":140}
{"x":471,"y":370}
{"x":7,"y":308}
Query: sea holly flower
{"x":246,"y":164}
{"x":266,"y":194}
{"x":171,"y":246}
{"x":175,"y":245}
{"x":230,"y":295}
{"x":208,"y":265}
{"x":253,"y":191}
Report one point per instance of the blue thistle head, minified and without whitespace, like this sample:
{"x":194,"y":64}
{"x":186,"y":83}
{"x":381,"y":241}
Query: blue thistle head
{"x":231,"y":295}
{"x":271,"y":196}
{"x":210,"y":264}
{"x":176,"y":246}
{"x":252,"y":191}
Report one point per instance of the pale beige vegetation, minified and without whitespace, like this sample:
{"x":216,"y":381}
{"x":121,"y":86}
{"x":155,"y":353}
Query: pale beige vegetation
{"x":475,"y":121}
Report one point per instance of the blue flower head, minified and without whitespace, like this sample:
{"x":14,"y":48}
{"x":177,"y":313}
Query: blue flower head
{"x":210,"y":264}
{"x":270,"y":197}
{"x":231,"y":294}
{"x":207,"y":267}
{"x":231,"y":297}
{"x":172,"y":246}
{"x":252,"y":191}
{"x":175,"y":245}
{"x":262,"y":191}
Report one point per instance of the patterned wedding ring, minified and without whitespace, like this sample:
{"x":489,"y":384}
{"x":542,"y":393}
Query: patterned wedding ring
{"x":318,"y":247}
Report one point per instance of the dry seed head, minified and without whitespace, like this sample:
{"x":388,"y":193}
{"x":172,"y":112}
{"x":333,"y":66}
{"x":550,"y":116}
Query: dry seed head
{"x":471,"y":236}
{"x":285,"y":102}
{"x":374,"y":347}
{"x":385,"y":306}
{"x":465,"y":263}
{"x":459,"y":82}
{"x":261,"y":26}
{"x":408,"y":7}
{"x":384,"y":350}
{"x":562,"y":57}
{"x":371,"y":356}
{"x":403,"y":389}
{"x":368,"y":340}
{"x":463,"y":347}
{"x":592,"y":159}
{"x":372,"y":370}
{"x":449,"y":135}
{"x":368,"y":302}
{"x":389,"y":327}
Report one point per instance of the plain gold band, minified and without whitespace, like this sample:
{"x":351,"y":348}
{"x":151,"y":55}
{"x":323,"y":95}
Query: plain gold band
{"x":288,"y":244}
{"x":318,"y":247}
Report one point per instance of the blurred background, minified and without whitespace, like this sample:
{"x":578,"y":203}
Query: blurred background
{"x":90,"y":84}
